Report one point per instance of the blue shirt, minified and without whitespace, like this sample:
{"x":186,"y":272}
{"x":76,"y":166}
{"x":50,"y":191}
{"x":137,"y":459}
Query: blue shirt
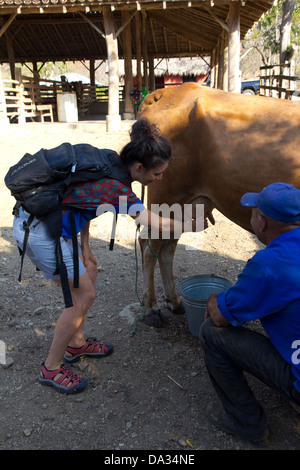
{"x":269,"y":289}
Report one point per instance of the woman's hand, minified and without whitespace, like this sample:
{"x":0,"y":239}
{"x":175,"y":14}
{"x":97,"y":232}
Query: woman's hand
{"x":87,"y":256}
{"x":192,"y":223}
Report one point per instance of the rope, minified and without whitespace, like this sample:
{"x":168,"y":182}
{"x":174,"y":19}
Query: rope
{"x":136,"y":286}
{"x":155,"y":255}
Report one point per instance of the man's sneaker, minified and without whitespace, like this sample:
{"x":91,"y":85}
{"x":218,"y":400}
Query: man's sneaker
{"x":218,"y":416}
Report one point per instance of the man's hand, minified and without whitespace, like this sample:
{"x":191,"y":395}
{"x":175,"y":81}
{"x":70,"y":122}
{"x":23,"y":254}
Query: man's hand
{"x":213,"y":312}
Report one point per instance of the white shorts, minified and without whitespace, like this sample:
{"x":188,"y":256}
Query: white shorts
{"x":40,"y":248}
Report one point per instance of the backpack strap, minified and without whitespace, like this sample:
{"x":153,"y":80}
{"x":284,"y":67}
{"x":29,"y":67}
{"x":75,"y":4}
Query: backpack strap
{"x":26,"y":226}
{"x":61,"y":268}
{"x":113,"y":233}
{"x":53,"y":222}
{"x":75,"y":248}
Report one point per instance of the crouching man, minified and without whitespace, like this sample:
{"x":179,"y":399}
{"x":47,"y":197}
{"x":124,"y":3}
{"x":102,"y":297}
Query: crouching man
{"x":268,"y":289}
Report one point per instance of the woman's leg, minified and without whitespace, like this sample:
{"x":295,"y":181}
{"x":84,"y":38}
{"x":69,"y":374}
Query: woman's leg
{"x":76,"y":340}
{"x":69,"y":330}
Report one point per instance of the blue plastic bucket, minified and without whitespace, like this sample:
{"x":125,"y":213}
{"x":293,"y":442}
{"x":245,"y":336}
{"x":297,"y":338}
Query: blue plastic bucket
{"x":195,"y":291}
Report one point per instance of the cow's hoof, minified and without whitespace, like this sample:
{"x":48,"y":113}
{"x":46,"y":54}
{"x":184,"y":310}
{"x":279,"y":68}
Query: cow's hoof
{"x":177,"y":309}
{"x":156,"y":319}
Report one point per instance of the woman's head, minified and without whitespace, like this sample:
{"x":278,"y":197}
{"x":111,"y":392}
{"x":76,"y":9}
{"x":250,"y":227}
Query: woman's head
{"x":148,"y":153}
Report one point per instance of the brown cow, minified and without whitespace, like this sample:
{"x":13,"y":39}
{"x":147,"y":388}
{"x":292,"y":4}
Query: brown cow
{"x":223,"y":145}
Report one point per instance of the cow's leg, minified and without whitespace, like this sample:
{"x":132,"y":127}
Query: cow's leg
{"x":166,"y":258}
{"x":164,"y":251}
{"x":150,"y":253}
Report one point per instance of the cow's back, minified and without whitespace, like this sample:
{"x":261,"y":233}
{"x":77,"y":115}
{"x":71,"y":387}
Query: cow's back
{"x":223,"y":145}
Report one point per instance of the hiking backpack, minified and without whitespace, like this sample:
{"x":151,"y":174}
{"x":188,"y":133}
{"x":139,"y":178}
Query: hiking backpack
{"x":38,"y":183}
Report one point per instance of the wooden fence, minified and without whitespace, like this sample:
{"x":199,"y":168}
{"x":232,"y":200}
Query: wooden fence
{"x":3,"y":112}
{"x":28,"y":97}
{"x":16,"y":103}
{"x":277,"y":81}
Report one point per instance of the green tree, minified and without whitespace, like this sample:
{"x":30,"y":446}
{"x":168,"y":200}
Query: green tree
{"x":50,"y":68}
{"x":264,"y":39}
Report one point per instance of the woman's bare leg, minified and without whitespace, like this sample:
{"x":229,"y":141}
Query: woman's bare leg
{"x":69,"y":330}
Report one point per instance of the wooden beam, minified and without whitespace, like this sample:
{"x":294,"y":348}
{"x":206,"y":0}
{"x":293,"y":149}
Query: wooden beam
{"x":220,"y":62}
{"x":7,"y":24}
{"x":151,"y":74}
{"x":166,"y":41}
{"x":174,"y":25}
{"x":234,"y":39}
{"x":218,"y":20}
{"x":113,"y":119}
{"x":92,"y":72}
{"x":130,"y":5}
{"x":91,"y":24}
{"x":3,"y":111}
{"x":145,"y":49}
{"x":138,"y":52}
{"x":61,"y":39}
{"x":153,"y":35}
{"x":11,"y":56}
{"x":129,"y":105}
{"x":125,"y":23}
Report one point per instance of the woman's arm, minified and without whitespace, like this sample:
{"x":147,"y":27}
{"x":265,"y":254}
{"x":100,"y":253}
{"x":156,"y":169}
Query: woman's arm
{"x":85,"y":245}
{"x":163,"y":225}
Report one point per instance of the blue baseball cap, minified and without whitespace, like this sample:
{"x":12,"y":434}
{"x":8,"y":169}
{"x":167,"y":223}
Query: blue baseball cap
{"x":280,"y":201}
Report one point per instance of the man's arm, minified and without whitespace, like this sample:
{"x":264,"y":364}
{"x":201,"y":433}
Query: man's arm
{"x":213,"y":312}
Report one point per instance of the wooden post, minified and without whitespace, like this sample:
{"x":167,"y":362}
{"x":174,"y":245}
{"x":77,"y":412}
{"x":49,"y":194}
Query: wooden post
{"x":92,"y":88}
{"x":92,"y":72}
{"x":151,"y":74}
{"x":113,"y":118}
{"x":11,"y":56}
{"x":20,"y":103}
{"x":217,"y":60}
{"x":221,"y":64}
{"x":145,"y":51}
{"x":212,"y":68}
{"x":139,"y":82}
{"x":129,"y":104}
{"x":4,"y":121}
{"x":234,"y":38}
{"x":225,"y":62}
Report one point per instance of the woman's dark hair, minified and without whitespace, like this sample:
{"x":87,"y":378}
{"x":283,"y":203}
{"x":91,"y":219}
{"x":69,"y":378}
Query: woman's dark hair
{"x":146,"y":146}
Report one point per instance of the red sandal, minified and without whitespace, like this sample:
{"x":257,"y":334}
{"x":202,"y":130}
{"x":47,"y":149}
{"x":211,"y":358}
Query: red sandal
{"x":66,"y":381}
{"x":89,"y":349}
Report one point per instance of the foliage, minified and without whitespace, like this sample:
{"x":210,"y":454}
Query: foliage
{"x":264,"y":38}
{"x":268,"y":26}
{"x":49,"y":69}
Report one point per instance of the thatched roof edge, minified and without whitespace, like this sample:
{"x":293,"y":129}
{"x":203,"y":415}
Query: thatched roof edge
{"x":174,"y":66}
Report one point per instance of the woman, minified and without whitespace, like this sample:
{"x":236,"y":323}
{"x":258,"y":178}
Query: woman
{"x":146,"y":157}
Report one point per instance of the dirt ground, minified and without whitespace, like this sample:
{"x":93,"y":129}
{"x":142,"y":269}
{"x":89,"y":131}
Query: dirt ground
{"x":152,"y":393}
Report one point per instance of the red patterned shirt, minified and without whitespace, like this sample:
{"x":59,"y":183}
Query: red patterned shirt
{"x":87,"y":199}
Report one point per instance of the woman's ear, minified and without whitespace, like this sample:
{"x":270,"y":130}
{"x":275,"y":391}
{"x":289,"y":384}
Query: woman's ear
{"x":138,"y":167}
